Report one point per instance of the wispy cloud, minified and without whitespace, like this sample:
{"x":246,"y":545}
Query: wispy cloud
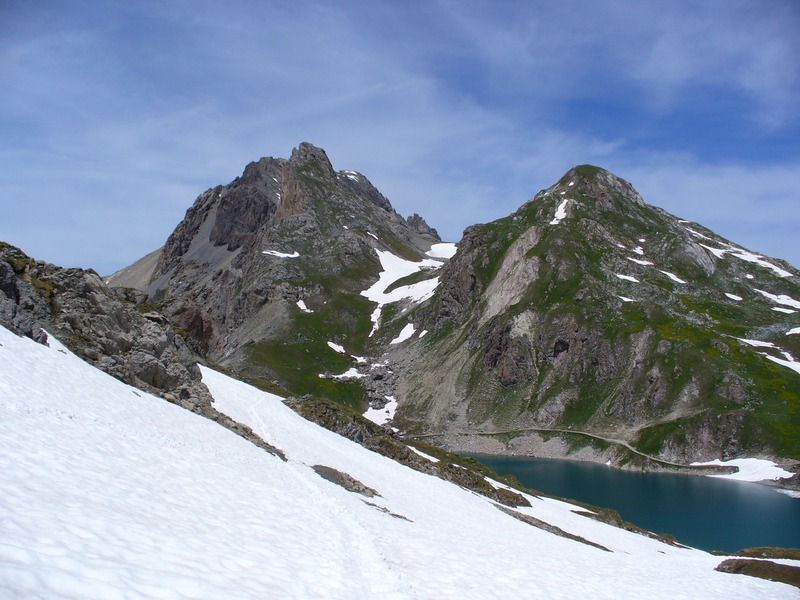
{"x":112,"y":119}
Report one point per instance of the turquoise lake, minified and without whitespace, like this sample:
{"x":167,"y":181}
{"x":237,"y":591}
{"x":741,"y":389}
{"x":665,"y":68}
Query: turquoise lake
{"x":703,"y":512}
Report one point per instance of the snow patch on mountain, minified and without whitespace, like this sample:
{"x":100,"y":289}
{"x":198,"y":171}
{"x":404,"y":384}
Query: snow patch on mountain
{"x":442,"y":250}
{"x":423,"y":455}
{"x":404,"y":334}
{"x":698,"y":234}
{"x":639,"y":261}
{"x":789,"y":361}
{"x":294,"y":254}
{"x":336,"y":347}
{"x":780,"y":299}
{"x":381,"y":416}
{"x":627,"y":277}
{"x":757,"y":343}
{"x":749,"y":469}
{"x":395,"y":268}
{"x":351,"y":175}
{"x":351,"y":373}
{"x":746,"y":256}
{"x":561,"y":212}
{"x":674,"y":277}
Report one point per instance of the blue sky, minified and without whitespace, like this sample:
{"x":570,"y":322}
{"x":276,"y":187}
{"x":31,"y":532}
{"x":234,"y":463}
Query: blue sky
{"x":114,"y":116}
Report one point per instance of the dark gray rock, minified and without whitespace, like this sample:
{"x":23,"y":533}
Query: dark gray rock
{"x":100,"y":325}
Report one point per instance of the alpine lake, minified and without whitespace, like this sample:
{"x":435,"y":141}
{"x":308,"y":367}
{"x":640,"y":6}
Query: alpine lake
{"x":704,"y":512}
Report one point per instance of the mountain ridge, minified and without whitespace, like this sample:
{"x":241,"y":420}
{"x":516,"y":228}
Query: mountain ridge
{"x":586,"y":308}
{"x":527,"y":274}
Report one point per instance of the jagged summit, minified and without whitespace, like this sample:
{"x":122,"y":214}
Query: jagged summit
{"x":308,"y":153}
{"x":288,"y":238}
{"x":586,"y":309}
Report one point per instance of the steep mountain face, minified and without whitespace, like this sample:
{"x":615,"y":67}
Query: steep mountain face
{"x":589,"y":310}
{"x":263,"y":272}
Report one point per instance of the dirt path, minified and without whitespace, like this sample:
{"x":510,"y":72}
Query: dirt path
{"x":554,"y":430}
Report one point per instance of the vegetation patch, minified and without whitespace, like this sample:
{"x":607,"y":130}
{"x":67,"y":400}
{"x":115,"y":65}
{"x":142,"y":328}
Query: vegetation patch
{"x":423,"y":274}
{"x":770,"y":552}
{"x":20,"y":264}
{"x":298,"y":364}
{"x":45,"y":287}
{"x":763,"y":569}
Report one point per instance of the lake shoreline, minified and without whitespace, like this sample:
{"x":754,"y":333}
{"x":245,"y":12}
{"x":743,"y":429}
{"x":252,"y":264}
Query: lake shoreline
{"x":712,"y":514}
{"x":554,"y":445}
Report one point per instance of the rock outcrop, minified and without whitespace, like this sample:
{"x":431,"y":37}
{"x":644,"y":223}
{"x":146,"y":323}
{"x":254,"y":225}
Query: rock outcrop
{"x":113,"y":329}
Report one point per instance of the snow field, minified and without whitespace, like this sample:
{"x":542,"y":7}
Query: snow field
{"x":458,"y":545}
{"x":442,"y":250}
{"x":395,"y":268}
{"x":750,"y":469}
{"x":109,"y":492}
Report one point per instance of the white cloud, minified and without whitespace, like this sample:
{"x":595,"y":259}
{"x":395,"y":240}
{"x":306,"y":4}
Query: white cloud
{"x":115,"y":121}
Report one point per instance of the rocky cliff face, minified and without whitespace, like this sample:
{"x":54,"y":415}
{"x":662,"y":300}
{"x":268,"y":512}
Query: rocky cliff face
{"x":589,"y":310}
{"x":263,"y":272}
{"x":113,"y":329}
{"x":585,"y":310}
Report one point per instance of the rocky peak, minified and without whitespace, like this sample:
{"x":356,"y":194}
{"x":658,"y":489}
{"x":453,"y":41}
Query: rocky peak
{"x":601,"y":188}
{"x":589,"y":309}
{"x":418,"y":224}
{"x":307,"y":154}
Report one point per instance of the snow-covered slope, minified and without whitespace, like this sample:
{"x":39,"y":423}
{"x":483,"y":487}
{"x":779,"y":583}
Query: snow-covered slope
{"x":108,"y":492}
